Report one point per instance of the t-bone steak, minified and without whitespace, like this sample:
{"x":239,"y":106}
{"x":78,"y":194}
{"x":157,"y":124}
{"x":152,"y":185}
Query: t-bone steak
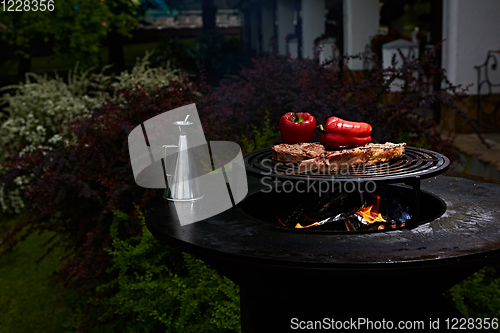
{"x":294,"y":153}
{"x":366,"y":154}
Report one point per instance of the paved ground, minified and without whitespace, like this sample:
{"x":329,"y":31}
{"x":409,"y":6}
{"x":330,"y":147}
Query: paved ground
{"x":477,"y":158}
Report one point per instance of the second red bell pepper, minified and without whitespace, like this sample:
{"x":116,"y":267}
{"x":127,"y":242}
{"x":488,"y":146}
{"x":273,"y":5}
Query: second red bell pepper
{"x":339,"y":133}
{"x":297,"y":127}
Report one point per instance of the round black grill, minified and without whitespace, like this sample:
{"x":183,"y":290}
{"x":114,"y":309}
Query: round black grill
{"x":416,"y":162}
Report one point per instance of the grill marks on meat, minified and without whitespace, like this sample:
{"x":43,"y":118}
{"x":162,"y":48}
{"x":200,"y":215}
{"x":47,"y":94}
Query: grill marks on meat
{"x":294,"y":153}
{"x":314,"y":157}
{"x":369,"y":153}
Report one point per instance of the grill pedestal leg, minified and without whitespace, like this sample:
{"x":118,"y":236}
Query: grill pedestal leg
{"x":270,"y":313}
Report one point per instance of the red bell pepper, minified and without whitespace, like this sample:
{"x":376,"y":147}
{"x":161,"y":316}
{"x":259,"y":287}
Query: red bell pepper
{"x":339,"y":133}
{"x":297,"y":127}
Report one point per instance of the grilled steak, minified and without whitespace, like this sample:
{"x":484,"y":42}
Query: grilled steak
{"x":297,"y":152}
{"x":367,"y":154}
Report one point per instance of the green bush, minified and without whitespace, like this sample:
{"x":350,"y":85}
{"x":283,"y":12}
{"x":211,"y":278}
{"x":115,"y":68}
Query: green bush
{"x":36,"y":107}
{"x":158,"y":289}
{"x":261,"y":139}
{"x":148,"y":77}
{"x":33,"y":112}
{"x":478,"y":296}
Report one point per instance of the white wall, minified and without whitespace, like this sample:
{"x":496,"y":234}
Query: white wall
{"x":361,"y":22}
{"x":313,"y":24}
{"x":471,"y":28}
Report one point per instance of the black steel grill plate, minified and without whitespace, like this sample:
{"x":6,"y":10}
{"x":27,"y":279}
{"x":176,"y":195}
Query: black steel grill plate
{"x":416,"y":162}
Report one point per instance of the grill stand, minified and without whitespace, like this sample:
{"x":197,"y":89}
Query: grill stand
{"x":271,"y":296}
{"x":394,"y":275}
{"x":265,"y":308}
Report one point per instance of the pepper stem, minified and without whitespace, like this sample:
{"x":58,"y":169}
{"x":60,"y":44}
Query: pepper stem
{"x":296,"y":119}
{"x":321,"y":128}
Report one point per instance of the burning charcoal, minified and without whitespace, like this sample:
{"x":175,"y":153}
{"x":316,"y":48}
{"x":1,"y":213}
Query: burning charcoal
{"x":339,"y":217}
{"x":297,"y":211}
{"x":316,"y":210}
{"x":395,"y":205}
{"x":332,"y":219}
{"x":327,"y":206}
{"x":349,"y":225}
{"x":401,"y":215}
{"x":289,"y":217}
{"x":361,"y":219}
{"x":344,"y":211}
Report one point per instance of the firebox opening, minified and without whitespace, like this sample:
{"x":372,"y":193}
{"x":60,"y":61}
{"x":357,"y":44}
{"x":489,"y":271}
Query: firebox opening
{"x":390,"y":207}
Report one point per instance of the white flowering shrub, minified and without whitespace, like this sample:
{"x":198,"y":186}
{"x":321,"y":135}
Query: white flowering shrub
{"x":34,"y":111}
{"x":150,"y":78}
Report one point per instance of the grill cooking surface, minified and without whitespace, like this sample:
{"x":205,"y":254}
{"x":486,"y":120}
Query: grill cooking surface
{"x":416,"y":162}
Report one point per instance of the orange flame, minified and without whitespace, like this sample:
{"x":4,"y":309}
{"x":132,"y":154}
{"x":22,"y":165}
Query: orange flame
{"x":299,"y":226}
{"x":281,"y":222}
{"x":371,"y":213}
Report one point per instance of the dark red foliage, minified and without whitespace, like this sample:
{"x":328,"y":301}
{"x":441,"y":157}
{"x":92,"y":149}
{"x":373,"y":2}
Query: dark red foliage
{"x":281,"y":84}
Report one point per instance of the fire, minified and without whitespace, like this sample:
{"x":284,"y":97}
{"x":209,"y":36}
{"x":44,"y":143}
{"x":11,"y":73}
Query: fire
{"x":281,"y":221}
{"x":299,"y":226}
{"x":371,"y":213}
{"x":368,"y":214}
